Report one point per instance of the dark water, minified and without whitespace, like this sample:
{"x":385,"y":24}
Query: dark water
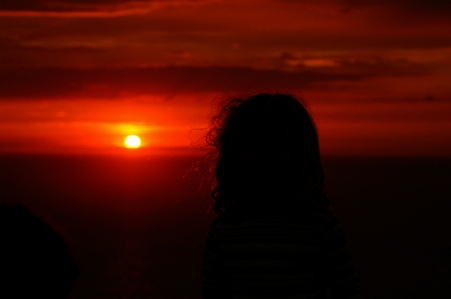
{"x":137,"y":225}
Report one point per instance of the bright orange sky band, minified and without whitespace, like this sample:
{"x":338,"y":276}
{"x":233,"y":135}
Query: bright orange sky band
{"x":79,"y":76}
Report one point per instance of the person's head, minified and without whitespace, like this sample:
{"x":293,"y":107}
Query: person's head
{"x":34,"y":258}
{"x":267,"y":154}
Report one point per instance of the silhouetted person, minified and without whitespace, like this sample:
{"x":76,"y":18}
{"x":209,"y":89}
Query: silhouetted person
{"x":34,"y":258}
{"x":273,"y":236}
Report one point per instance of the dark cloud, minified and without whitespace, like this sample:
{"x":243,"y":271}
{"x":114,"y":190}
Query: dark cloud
{"x":411,"y":6}
{"x":51,"y":82}
{"x":411,"y":3}
{"x":65,"y":5}
{"x":419,"y":6}
{"x":22,"y":5}
{"x":374,"y":65}
{"x":110,"y":83}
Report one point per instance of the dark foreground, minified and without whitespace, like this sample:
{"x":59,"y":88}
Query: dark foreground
{"x":137,"y":225}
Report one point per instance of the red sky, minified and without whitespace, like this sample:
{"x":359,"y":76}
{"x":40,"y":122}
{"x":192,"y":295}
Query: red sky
{"x":78,"y":76}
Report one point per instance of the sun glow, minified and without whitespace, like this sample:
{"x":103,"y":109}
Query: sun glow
{"x":132,"y":141}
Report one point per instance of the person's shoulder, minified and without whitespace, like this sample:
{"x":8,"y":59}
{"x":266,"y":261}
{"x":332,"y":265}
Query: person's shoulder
{"x":326,"y":215}
{"x":316,"y":216}
{"x":226,"y":219}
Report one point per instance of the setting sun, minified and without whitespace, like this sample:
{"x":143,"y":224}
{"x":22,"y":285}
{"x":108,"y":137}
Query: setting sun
{"x":132,"y":141}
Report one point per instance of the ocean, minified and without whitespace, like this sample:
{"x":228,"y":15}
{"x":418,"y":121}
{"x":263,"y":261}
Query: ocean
{"x":136,"y":225}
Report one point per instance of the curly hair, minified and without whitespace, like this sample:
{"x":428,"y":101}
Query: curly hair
{"x":266,"y":154}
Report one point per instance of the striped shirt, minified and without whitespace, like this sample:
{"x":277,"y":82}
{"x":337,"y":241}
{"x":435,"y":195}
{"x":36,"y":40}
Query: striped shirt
{"x":295,"y":256}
